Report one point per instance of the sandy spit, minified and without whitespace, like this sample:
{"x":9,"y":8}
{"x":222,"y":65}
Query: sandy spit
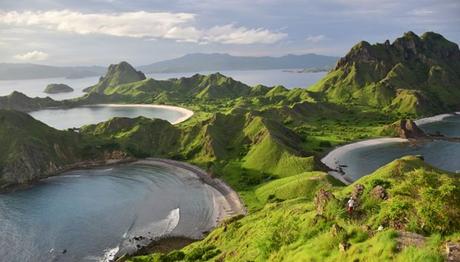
{"x":186,"y":114}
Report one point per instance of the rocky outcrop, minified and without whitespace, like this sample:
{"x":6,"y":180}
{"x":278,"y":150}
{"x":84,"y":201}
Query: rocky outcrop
{"x":415,"y":75}
{"x":58,"y":88}
{"x":117,"y":74}
{"x":404,"y":128}
{"x":408,"y":129}
{"x":379,"y":192}
{"x":322,"y":199}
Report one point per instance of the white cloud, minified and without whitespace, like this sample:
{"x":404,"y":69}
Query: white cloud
{"x":176,"y":26}
{"x":420,"y":12}
{"x":32,"y":56}
{"x":315,"y":38}
{"x":229,"y":34}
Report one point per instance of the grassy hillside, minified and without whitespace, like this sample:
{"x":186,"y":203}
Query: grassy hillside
{"x":31,"y":149}
{"x":117,"y":74}
{"x":404,"y":196}
{"x":413,"y":75}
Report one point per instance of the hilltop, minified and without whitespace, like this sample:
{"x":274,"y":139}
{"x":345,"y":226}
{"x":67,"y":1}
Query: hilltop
{"x":413,"y":75}
{"x":117,"y":74}
{"x":20,"y":102}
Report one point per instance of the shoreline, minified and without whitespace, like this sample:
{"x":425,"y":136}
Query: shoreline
{"x":184,"y":111}
{"x":436,"y":118}
{"x":226,"y":204}
{"x":330,"y":159}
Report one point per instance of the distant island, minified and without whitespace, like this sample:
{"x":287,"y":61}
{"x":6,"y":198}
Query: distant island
{"x":189,"y":63}
{"x":58,"y":88}
{"x":309,"y":70}
{"x":211,"y":62}
{"x":12,"y":71}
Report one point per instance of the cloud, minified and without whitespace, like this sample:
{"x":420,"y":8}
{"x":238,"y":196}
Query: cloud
{"x":166,"y":25}
{"x":315,"y":38}
{"x":32,"y":56}
{"x":420,"y":12}
{"x":229,"y":34}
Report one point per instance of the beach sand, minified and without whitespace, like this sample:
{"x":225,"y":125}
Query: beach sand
{"x":186,"y":114}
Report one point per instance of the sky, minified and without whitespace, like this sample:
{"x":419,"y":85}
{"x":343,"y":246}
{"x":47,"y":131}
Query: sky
{"x":101,"y":32}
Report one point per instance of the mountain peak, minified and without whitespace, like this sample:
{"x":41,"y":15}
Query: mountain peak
{"x":117,"y":74}
{"x":414,"y":75}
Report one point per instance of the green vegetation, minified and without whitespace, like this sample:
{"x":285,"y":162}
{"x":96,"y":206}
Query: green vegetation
{"x":116,"y":75}
{"x":413,"y":75}
{"x":293,"y":226}
{"x":57,"y":88}
{"x":266,"y":143}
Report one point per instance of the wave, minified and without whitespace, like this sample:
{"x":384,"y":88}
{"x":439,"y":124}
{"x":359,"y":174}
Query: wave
{"x":172,"y":220}
{"x":109,"y":254}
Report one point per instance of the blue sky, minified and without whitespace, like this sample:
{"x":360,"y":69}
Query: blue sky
{"x":87,"y":32}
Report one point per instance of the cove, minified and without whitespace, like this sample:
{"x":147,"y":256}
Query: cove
{"x":362,"y":158}
{"x":63,"y":118}
{"x":90,"y":215}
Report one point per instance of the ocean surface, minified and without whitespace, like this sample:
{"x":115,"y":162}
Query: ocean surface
{"x":35,"y":87}
{"x":363,"y":160}
{"x":63,"y":118}
{"x":89,"y":215}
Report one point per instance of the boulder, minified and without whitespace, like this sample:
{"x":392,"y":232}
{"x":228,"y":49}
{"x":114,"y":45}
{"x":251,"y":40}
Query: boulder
{"x":379,"y":192}
{"x":322,"y":198}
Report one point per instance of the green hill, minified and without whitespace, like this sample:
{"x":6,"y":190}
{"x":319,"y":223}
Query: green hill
{"x":415,"y":75}
{"x":20,"y":102}
{"x":31,"y":149}
{"x":117,"y":74}
{"x":413,"y":202}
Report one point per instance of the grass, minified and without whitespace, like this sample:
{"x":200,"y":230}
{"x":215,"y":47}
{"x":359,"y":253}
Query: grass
{"x":288,"y":228}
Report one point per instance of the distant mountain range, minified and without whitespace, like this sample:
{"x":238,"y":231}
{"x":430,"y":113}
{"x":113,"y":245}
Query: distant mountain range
{"x":12,"y":71}
{"x":213,"y":62}
{"x":187,"y":63}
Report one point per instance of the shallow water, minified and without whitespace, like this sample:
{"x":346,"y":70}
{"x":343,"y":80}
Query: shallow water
{"x":35,"y":87}
{"x":62,"y":118}
{"x":89,"y":212}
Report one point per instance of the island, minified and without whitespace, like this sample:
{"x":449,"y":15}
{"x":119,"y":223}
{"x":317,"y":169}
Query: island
{"x":267,"y":143}
{"x":58,"y":88}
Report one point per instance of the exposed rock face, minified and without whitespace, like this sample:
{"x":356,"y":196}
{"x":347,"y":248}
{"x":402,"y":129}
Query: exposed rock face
{"x":58,"y":88}
{"x":416,"y":75}
{"x":322,"y":198}
{"x":453,"y":251}
{"x":404,"y":128}
{"x":379,"y":192}
{"x":408,"y":129}
{"x":118,"y":74}
{"x":357,"y":191}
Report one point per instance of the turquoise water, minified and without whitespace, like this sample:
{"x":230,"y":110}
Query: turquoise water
{"x":85,"y":115}
{"x":90,"y":212}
